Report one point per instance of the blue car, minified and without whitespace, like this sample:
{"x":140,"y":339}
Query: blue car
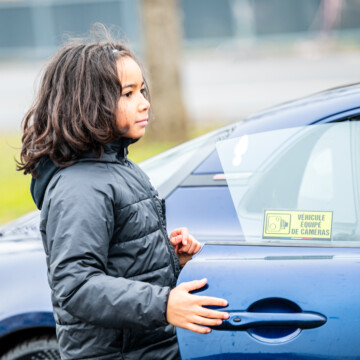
{"x":275,"y":200}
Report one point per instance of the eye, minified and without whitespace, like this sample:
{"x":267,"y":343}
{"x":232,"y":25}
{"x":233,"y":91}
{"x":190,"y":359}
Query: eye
{"x":128,"y":94}
{"x":143,"y":91}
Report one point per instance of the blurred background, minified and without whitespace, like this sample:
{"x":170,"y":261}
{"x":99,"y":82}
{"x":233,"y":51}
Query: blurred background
{"x":209,"y":62}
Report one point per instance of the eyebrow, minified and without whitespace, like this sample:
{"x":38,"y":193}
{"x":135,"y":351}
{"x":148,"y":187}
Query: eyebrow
{"x":132,"y":85}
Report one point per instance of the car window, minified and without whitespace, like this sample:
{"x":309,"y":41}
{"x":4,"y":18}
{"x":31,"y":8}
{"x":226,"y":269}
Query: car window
{"x":162,"y":167}
{"x":211,"y":165}
{"x":209,"y":215}
{"x":303,"y":187}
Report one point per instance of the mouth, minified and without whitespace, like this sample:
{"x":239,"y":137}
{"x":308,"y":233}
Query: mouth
{"x":143,"y":122}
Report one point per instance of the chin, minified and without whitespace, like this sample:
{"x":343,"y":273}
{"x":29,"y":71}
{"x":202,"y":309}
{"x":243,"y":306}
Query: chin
{"x":135,"y":135}
{"x":139,"y":135}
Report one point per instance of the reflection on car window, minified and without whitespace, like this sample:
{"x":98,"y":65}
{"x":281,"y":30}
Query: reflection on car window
{"x":162,"y":167}
{"x":322,"y":185}
{"x":303,"y":187}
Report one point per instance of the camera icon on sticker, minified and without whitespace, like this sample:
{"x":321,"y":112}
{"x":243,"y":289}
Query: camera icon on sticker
{"x":278,"y":224}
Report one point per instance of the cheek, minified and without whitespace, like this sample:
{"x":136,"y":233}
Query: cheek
{"x":121,"y":113}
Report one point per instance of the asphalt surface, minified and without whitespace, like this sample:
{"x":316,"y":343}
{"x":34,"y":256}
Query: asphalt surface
{"x":218,"y":86}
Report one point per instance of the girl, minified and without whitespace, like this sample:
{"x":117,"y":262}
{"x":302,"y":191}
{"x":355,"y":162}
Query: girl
{"x":111,"y":267}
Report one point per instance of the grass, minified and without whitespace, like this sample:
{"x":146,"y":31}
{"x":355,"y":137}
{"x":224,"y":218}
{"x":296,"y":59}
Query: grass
{"x":15,"y":198}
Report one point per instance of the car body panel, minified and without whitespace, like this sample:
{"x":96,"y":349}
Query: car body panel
{"x":25,"y":294}
{"x":28,"y":320}
{"x":269,"y":280}
{"x":246,"y":275}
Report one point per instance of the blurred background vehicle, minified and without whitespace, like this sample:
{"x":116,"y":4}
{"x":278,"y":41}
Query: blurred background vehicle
{"x":203,"y":194}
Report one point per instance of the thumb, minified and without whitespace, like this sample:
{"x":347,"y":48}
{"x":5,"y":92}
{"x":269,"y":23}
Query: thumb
{"x":194,"y":285}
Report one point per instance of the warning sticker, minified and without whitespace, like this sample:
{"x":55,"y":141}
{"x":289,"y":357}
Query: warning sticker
{"x":297,"y":224}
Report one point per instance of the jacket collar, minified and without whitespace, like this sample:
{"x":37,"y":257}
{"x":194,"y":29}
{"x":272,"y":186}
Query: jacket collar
{"x":120,"y":146}
{"x":114,"y":151}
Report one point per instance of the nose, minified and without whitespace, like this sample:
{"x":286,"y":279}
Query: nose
{"x":144,"y":104}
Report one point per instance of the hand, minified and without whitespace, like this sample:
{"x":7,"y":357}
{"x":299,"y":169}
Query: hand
{"x":185,"y":245}
{"x":186,"y":310}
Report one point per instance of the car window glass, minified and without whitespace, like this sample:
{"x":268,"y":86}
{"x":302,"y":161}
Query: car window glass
{"x":162,"y":167}
{"x":321,"y":185}
{"x":211,"y":165}
{"x":209,"y":214}
{"x":303,"y":184}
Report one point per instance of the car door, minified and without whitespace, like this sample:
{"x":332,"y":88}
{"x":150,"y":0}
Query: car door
{"x":292,"y":276}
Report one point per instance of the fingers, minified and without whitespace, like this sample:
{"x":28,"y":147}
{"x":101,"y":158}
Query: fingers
{"x":213,"y":314}
{"x":198,"y":329}
{"x":176,"y":232}
{"x":180,"y":235}
{"x":175,"y":240}
{"x":206,"y":321}
{"x":199,"y":320}
{"x":186,"y":310}
{"x":180,"y":232}
{"x":183,"y":242}
{"x":202,"y":300}
{"x":185,"y":236}
{"x":209,"y":300}
{"x":193,"y":285}
{"x":192,"y":247}
{"x":186,"y":249}
{"x":199,"y":324}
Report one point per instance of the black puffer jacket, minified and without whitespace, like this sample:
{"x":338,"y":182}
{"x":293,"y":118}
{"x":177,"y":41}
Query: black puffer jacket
{"x":110,"y":263}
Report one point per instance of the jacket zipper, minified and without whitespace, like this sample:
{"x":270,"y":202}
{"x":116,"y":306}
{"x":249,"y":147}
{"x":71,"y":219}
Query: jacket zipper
{"x":165,"y":235}
{"x":148,"y":190}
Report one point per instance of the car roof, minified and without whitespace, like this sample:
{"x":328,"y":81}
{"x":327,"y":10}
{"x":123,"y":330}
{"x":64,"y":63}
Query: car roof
{"x":320,"y":107}
{"x":304,"y":111}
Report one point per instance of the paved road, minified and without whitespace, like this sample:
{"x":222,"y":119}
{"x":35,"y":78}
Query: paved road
{"x":229,"y":88}
{"x":217,"y":87}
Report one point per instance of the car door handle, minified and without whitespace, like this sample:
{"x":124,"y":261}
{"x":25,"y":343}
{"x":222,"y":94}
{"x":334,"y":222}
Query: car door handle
{"x":249,"y":320}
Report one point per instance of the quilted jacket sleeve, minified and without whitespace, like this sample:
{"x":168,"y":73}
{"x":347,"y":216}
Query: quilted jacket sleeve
{"x":78,"y":229}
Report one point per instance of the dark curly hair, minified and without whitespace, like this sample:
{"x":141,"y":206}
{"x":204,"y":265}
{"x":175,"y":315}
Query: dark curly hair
{"x":75,"y":109}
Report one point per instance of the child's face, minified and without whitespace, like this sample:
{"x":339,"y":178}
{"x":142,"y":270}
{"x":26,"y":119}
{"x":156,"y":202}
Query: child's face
{"x":133,"y":108}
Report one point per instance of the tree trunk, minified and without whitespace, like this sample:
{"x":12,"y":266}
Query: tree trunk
{"x":161,"y":21}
